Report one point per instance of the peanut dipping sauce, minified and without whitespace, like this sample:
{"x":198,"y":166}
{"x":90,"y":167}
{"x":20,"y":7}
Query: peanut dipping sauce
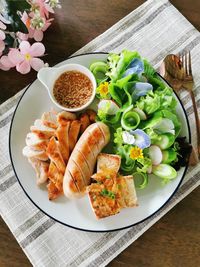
{"x":72,"y":89}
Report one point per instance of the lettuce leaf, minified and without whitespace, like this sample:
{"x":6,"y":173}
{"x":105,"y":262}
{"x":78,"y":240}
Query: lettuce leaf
{"x":149,"y":71}
{"x":119,"y":63}
{"x":127,"y":164}
{"x":143,"y":164}
{"x":149,"y":103}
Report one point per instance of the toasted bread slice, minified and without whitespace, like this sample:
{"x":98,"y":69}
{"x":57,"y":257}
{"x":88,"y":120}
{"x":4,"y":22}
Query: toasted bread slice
{"x":107,"y":162}
{"x":128,"y":192}
{"x":102,"y":205}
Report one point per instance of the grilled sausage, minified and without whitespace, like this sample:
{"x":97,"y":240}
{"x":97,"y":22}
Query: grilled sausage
{"x":90,"y":144}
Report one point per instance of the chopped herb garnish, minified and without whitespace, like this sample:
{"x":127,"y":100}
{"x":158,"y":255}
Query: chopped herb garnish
{"x":108,"y":193}
{"x":119,"y":186}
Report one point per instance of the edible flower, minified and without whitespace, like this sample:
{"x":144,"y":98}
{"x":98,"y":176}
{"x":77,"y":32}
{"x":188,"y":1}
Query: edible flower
{"x":142,"y":140}
{"x":136,"y":153}
{"x":128,"y":138}
{"x":103,"y":89}
{"x":136,"y":66}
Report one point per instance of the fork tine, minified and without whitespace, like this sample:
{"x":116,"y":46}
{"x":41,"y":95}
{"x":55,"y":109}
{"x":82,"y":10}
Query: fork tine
{"x":186,"y":63}
{"x":190,"y":64}
{"x":183,"y":62}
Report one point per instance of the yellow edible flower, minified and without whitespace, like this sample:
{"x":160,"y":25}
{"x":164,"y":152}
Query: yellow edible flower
{"x":136,"y":153}
{"x":103,"y":89}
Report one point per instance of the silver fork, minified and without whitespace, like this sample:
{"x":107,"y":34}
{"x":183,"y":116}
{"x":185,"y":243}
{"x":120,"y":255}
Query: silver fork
{"x":188,"y":85}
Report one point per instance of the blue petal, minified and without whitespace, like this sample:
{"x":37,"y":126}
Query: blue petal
{"x":136,"y":66}
{"x":141,"y":89}
{"x":142,"y":139}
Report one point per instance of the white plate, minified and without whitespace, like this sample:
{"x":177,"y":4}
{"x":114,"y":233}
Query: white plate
{"x":78,"y":213}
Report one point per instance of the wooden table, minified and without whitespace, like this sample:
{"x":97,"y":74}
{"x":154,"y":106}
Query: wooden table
{"x":173,"y":241}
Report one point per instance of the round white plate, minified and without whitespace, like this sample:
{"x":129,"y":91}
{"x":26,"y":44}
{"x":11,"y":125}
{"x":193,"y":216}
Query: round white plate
{"x":78,"y":213}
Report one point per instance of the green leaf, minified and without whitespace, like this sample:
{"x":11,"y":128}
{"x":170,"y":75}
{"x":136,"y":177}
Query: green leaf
{"x":13,"y":7}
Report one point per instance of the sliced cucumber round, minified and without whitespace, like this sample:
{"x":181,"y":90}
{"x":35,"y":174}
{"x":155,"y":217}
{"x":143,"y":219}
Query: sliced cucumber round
{"x":140,"y":180}
{"x":164,"y":171}
{"x":165,"y":141}
{"x":130,"y":120}
{"x":169,"y":156}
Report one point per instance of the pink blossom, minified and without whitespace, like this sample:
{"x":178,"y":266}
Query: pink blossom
{"x":44,"y":8}
{"x":2,"y":46}
{"x":38,"y":34}
{"x":5,"y":63}
{"x":26,"y":56}
{"x":33,"y":33}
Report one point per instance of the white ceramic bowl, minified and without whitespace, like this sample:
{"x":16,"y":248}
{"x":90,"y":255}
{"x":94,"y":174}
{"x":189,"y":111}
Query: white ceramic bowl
{"x":48,"y":76}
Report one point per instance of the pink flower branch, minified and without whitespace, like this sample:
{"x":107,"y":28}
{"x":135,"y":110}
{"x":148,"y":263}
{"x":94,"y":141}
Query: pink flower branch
{"x":25,"y":56}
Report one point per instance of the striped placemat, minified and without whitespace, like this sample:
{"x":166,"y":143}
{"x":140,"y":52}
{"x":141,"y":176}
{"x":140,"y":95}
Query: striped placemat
{"x":155,"y":29}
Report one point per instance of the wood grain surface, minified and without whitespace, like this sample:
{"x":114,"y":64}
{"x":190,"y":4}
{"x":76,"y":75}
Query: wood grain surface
{"x":173,"y":241}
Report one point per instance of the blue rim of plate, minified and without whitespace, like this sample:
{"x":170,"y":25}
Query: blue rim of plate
{"x":81,"y":229}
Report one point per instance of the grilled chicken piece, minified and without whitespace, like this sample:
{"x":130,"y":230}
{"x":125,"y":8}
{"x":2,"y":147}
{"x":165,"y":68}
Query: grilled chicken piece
{"x":55,"y":156}
{"x":92,"y":115}
{"x":53,"y":191}
{"x":34,"y":142}
{"x":49,"y":119}
{"x":62,"y":134}
{"x":73,"y":133}
{"x":41,"y":168}
{"x":37,"y":154}
{"x":85,"y":121}
{"x":55,"y":176}
{"x":64,"y":116}
{"x":42,"y":131}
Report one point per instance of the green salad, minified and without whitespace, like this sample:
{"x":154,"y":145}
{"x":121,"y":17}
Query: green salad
{"x":140,"y":110}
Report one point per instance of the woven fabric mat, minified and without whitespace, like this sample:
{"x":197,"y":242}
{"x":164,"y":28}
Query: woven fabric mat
{"x":155,"y":29}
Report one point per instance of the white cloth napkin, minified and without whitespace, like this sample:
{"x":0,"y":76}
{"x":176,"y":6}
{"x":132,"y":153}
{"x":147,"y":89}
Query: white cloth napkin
{"x":155,"y":29}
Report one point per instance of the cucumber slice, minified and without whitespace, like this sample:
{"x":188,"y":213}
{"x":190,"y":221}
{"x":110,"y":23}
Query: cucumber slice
{"x":165,"y":141}
{"x":165,"y":171}
{"x":141,"y":113}
{"x":99,"y":66}
{"x":169,"y":156}
{"x":130,"y":119}
{"x":140,"y":179}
